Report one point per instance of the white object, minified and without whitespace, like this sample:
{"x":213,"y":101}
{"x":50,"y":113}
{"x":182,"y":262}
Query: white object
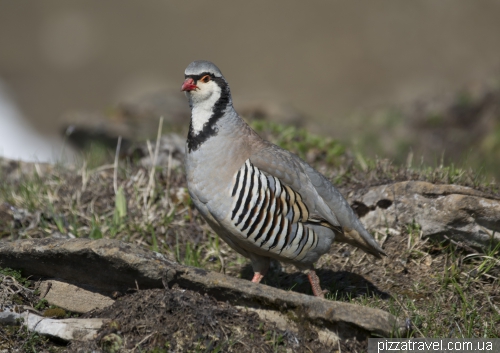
{"x":65,"y":329}
{"x":20,"y":141}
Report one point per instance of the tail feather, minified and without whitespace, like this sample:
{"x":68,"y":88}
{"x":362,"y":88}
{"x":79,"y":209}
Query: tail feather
{"x":352,"y":237}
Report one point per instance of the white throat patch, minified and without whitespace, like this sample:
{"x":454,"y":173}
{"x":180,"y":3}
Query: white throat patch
{"x":203,"y":101}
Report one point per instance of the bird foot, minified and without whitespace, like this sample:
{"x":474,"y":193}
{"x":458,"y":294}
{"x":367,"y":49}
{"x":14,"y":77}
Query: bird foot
{"x":257,"y":277}
{"x":316,"y":287}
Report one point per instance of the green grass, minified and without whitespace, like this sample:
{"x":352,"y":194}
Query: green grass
{"x":18,"y":290}
{"x":15,"y":274}
{"x":308,"y":146}
{"x":452,"y":303}
{"x":457,"y":296}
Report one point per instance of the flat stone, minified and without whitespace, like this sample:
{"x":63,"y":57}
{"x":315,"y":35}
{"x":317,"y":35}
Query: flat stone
{"x":456,"y":212}
{"x":105,"y":265}
{"x":73,"y":298}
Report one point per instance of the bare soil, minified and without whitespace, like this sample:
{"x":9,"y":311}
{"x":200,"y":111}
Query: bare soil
{"x":185,"y":321}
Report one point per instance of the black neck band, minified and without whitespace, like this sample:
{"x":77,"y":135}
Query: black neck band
{"x":194,"y":141}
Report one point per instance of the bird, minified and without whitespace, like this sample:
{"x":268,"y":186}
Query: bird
{"x":264,"y":201}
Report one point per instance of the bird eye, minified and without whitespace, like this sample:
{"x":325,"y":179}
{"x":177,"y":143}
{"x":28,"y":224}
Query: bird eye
{"x":205,"y":78}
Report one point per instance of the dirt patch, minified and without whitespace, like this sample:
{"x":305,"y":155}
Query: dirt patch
{"x":182,"y":320}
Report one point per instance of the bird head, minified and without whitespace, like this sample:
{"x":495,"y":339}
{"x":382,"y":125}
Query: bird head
{"x":204,"y":83}
{"x":209,"y":98}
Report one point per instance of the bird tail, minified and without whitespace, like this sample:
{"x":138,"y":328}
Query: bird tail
{"x":352,"y":237}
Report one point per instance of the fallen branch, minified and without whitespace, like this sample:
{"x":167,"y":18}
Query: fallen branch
{"x":64,"y":329}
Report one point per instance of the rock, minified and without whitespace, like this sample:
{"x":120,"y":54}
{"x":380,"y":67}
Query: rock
{"x":457,"y":212}
{"x":107,"y":265}
{"x":72,"y":298}
{"x":84,"y":260}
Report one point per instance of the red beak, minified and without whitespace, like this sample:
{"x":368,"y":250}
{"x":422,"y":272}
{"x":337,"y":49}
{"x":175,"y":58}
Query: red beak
{"x":188,"y":85}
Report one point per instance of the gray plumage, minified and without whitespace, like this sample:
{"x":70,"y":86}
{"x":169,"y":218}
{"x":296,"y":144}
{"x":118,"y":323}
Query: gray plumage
{"x":265,"y":202}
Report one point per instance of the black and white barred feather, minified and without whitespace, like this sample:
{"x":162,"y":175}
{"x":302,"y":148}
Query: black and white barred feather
{"x":271,"y":214}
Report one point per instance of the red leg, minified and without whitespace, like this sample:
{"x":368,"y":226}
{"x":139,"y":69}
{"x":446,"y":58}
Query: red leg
{"x":260,"y":267}
{"x":257,"y":277}
{"x":316,"y":287}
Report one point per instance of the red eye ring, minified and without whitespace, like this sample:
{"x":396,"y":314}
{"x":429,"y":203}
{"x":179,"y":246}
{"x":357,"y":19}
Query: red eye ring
{"x":205,"y":78}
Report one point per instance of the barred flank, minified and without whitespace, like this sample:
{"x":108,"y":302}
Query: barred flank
{"x":271,"y":214}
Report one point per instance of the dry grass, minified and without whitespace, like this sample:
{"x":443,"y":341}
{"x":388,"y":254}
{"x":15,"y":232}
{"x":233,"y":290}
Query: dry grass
{"x":441,"y":289}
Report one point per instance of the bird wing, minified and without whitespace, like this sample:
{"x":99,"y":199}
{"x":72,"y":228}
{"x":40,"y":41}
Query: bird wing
{"x":321,"y":197}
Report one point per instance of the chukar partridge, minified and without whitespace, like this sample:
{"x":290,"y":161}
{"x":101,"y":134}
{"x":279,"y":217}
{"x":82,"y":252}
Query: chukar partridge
{"x":265,"y":202}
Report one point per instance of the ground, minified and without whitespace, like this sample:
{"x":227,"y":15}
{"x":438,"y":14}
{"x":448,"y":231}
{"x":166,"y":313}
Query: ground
{"x":184,"y":321}
{"x":440,"y":289}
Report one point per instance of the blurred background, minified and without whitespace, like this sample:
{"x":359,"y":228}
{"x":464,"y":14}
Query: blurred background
{"x":387,"y":78}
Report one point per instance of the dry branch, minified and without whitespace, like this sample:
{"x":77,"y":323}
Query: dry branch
{"x":64,"y":329}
